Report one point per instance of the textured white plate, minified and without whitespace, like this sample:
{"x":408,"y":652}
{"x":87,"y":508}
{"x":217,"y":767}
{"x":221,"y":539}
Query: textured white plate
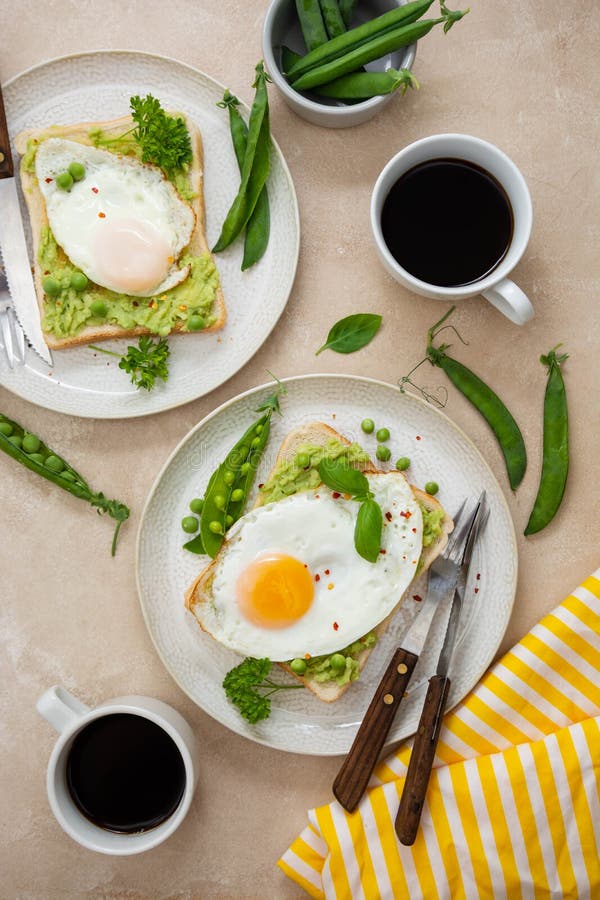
{"x":438,"y":451}
{"x":97,"y":86}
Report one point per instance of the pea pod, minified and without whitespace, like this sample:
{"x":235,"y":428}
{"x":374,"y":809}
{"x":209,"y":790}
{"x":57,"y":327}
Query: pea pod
{"x":258,"y":227}
{"x":485,"y":402}
{"x":14,"y":441}
{"x":255,"y":169}
{"x":555,"y":453}
{"x":357,"y":37}
{"x":332,"y":17}
{"x":311,"y":23}
{"x":362,"y":85}
{"x":347,"y":8}
{"x":373,"y":49}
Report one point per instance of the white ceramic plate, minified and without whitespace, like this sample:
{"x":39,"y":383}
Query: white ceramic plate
{"x":97,"y":86}
{"x":438,"y":451}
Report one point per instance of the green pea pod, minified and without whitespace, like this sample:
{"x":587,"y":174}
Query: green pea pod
{"x":555,"y":453}
{"x":311,"y":23}
{"x":258,"y":227}
{"x":51,"y":466}
{"x":357,"y":37}
{"x":362,"y":85}
{"x":255,"y":169}
{"x":332,"y":17}
{"x":374,"y":49}
{"x":347,"y":8}
{"x":289,"y":58}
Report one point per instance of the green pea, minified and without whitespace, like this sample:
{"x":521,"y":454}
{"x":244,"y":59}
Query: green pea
{"x":51,"y":286}
{"x":298,"y":666}
{"x":245,"y":468}
{"x":383,"y":453}
{"x":228,"y":521}
{"x":255,"y":442}
{"x":196,"y":323}
{"x":338,"y":661}
{"x":77,"y":171}
{"x":64,"y":181}
{"x":68,"y":476}
{"x":31,"y":443}
{"x":16,"y":440}
{"x":259,"y":428}
{"x":196,"y":505}
{"x":237,"y":495}
{"x":228,"y":477}
{"x":6,"y":428}
{"x":302,"y":460}
{"x":220,"y":501}
{"x":98,"y":308}
{"x":38,"y":458}
{"x":54,"y":463}
{"x":215,"y":527}
{"x":368,"y":426}
{"x":383,"y":435}
{"x":402,"y":463}
{"x":432,"y":487}
{"x":190,"y":524}
{"x":79,"y":281}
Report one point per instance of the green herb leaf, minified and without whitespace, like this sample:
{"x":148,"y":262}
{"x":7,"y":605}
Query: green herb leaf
{"x":147,"y":362}
{"x":339,"y":476}
{"x":241,"y":686}
{"x":271,"y":404}
{"x":367,"y":531}
{"x":164,"y":140}
{"x":352,"y":333}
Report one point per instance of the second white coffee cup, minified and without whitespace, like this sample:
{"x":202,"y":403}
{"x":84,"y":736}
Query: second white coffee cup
{"x":496,"y":287}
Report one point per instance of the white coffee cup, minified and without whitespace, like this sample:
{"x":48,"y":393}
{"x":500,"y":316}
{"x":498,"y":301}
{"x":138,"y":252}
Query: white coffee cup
{"x":496,"y":287}
{"x":69,"y":716}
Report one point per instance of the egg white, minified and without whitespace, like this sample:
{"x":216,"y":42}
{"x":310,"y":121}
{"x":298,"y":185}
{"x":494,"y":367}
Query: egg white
{"x":318,"y":529}
{"x":119,"y":187}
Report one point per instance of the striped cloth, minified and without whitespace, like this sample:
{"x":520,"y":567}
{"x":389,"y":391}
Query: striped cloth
{"x":513,"y":806}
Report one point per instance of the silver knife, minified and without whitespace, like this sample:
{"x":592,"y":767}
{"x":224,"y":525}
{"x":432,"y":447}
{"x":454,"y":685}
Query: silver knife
{"x":13,"y":248}
{"x":357,"y":768}
{"x":424,"y":748}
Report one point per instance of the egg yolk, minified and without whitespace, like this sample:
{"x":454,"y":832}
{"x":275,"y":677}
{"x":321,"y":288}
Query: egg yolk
{"x":275,"y":591}
{"x":131,"y":255}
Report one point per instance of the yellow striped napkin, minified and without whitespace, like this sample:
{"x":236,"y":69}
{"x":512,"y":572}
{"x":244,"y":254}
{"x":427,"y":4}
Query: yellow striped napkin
{"x":513,"y":806}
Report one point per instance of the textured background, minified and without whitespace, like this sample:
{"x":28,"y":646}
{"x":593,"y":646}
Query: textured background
{"x":523,"y":76}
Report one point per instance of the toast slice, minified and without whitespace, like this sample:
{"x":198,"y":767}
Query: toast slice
{"x":319,"y":434}
{"x":80,"y":132}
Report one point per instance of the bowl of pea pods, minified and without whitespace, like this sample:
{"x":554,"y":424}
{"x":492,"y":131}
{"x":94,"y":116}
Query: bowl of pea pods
{"x":333,"y":60}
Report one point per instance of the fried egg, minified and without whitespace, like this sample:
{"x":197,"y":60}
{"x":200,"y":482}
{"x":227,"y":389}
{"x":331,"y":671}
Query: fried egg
{"x":123,"y":224}
{"x":288,"y":580}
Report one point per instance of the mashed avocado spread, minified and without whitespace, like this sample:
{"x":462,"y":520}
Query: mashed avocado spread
{"x":68,"y":310}
{"x":293,"y":476}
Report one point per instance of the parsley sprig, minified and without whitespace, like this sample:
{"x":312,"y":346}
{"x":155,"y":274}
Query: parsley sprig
{"x":145,"y":363}
{"x":244,"y":686}
{"x":338,"y":476}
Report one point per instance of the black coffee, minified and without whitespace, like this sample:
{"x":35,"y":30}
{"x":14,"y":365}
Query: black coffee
{"x":447,"y":222}
{"x":125,"y":773}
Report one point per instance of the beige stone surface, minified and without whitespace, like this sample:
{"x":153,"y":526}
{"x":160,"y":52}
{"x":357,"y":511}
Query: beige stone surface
{"x":524,"y":76}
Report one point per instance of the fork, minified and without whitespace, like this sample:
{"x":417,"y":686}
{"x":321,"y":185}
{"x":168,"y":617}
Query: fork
{"x":12,"y":339}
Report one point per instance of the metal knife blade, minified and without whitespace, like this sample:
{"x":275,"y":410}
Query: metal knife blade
{"x":13,"y":249}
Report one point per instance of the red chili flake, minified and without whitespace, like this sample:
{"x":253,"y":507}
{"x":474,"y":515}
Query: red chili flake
{"x":414,"y":530}
{"x":388,"y":516}
{"x":262,"y":484}
{"x":478,"y":576}
{"x":383,"y":551}
{"x":101,"y":215}
{"x":317,"y":496}
{"x":330,"y":587}
{"x":476,"y":590}
{"x":336,"y":494}
{"x":135,"y":303}
{"x":47,"y":180}
{"x":335,"y":626}
{"x":417,"y":598}
{"x":418,"y":438}
{"x":95,"y":190}
{"x":406,"y":515}
{"x":327,"y":571}
{"x":317,"y":577}
{"x":305,"y":566}
{"x":307,"y":656}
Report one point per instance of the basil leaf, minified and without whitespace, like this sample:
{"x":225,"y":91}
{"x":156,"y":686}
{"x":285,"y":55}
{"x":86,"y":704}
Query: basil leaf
{"x":367,"y":531}
{"x":352,"y":333}
{"x":339,"y":476}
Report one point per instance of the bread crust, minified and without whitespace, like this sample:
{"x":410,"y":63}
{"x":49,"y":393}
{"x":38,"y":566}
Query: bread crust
{"x":318,"y":434}
{"x":38,"y":217}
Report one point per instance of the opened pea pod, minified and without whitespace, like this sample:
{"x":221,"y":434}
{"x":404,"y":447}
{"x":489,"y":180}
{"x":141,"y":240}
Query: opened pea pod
{"x":29,"y":450}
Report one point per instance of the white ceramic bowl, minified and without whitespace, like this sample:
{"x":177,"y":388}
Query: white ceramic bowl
{"x":281,"y":27}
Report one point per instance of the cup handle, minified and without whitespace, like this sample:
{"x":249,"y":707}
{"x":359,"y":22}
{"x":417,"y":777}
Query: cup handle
{"x":507,"y":297}
{"x":60,"y":708}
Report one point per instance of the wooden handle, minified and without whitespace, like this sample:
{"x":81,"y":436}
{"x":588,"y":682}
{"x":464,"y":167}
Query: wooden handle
{"x":421,"y":760}
{"x":6,"y":164}
{"x":353,"y":777}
